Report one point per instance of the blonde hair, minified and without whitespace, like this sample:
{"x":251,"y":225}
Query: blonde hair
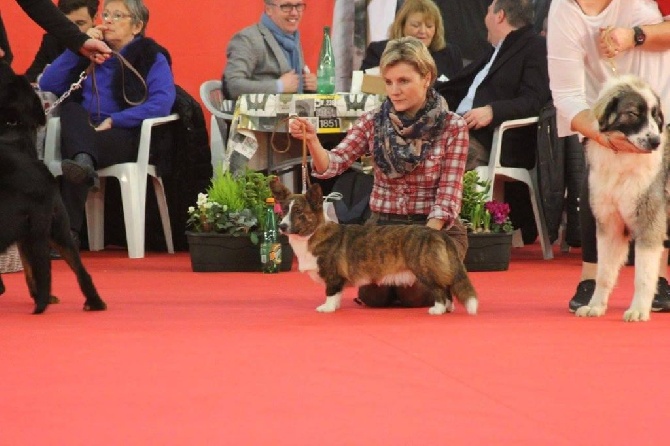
{"x":412,"y":51}
{"x":430,"y":13}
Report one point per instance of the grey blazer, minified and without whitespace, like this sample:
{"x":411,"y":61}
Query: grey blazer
{"x":255,"y":62}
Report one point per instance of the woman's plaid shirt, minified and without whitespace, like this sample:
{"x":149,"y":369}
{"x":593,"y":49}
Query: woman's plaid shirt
{"x":433,"y":188}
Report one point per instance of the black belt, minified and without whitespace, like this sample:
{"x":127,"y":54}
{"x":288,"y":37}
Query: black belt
{"x":408,"y":218}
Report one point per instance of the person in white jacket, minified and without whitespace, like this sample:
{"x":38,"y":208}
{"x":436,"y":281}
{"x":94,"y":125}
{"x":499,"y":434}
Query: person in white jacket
{"x":577,"y":71}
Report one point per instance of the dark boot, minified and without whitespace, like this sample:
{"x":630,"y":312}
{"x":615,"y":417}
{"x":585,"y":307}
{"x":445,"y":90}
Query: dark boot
{"x":376,"y":296}
{"x":81,"y":170}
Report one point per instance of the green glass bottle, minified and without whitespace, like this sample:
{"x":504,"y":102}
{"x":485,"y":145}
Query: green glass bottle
{"x":325,"y":73}
{"x":270,"y":247}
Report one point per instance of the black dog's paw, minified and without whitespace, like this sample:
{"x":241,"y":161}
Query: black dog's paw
{"x":95,"y":305}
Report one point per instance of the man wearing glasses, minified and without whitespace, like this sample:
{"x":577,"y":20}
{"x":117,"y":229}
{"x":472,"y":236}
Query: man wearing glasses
{"x":267,"y":57}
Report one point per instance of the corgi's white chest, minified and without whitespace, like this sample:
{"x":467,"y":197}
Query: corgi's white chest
{"x":306,"y":261}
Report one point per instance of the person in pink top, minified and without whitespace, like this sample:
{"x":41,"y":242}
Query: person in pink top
{"x":650,"y":37}
{"x":589,"y":42}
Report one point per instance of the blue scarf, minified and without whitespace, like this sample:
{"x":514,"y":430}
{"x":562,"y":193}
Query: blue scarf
{"x":290,"y":45}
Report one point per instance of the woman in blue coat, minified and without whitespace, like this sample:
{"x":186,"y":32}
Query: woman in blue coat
{"x":101,"y":126}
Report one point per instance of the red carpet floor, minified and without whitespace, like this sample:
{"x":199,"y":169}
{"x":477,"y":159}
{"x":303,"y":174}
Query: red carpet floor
{"x":185,"y":358}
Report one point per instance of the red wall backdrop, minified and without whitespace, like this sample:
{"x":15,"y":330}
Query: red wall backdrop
{"x":196,"y":33}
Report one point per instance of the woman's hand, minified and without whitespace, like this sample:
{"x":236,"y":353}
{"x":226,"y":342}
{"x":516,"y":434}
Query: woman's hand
{"x":615,"y":40}
{"x":618,"y":142}
{"x":434,"y":223}
{"x":96,"y":50}
{"x":301,"y":128}
{"x":97,"y":32}
{"x":104,"y":125}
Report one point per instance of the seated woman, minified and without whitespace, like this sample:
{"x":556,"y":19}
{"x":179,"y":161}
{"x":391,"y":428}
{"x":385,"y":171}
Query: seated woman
{"x":101,"y":126}
{"x":423,"y":20}
{"x":82,"y":14}
{"x":419,"y":149}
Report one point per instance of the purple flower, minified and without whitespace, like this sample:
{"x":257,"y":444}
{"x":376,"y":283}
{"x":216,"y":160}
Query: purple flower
{"x":499,"y":211}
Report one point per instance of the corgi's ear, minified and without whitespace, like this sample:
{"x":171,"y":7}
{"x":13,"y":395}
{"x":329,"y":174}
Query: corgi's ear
{"x":314,"y":196}
{"x":279,"y":191}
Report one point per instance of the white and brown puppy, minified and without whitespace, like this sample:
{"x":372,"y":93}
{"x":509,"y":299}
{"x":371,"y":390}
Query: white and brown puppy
{"x":627,"y":193}
{"x":340,"y":255}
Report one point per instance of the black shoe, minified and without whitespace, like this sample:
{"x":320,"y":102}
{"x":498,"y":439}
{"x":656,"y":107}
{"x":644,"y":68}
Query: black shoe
{"x":54,"y":254}
{"x":661,"y":302}
{"x":583,"y":294}
{"x":81,"y":170}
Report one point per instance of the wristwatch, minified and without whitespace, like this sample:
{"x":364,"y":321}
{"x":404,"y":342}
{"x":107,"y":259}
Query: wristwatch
{"x":639,"y":36}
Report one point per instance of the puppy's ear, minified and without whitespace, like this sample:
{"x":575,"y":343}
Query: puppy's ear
{"x":661,"y":118}
{"x":314,"y":196}
{"x":608,"y":115}
{"x":279,"y":191}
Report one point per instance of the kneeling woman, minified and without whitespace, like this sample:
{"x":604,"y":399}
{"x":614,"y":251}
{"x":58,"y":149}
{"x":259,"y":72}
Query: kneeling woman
{"x":101,"y":126}
{"x":419,"y":149}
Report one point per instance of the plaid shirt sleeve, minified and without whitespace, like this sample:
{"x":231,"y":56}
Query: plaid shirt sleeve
{"x":455,"y":142}
{"x":352,"y":147}
{"x":433,"y":188}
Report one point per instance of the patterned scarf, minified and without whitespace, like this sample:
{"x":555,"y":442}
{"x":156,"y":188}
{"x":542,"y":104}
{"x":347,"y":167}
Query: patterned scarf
{"x":289,"y":43}
{"x":400,"y":142}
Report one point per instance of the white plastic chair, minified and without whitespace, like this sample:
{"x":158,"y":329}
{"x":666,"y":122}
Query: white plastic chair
{"x":221,"y":109}
{"x":494,"y":171}
{"x":133,"y":181}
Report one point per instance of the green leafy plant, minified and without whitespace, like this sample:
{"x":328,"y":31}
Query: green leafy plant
{"x":233,"y":204}
{"x":477,"y":212}
{"x":255,"y":190}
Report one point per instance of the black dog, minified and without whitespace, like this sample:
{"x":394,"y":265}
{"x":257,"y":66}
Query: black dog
{"x":32,"y":213}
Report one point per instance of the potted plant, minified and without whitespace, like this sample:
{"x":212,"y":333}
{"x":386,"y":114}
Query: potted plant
{"x":226,"y":224}
{"x":489,"y":226}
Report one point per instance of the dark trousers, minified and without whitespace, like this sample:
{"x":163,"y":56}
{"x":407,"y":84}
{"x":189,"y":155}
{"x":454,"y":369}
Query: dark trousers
{"x":587,"y":224}
{"x":107,"y":148}
{"x":415,"y":295}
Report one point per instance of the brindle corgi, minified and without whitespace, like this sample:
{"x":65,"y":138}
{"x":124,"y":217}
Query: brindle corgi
{"x":355,"y":255}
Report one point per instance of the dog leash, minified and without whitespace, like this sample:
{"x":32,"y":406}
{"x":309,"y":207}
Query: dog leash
{"x":303,"y":166}
{"x":91,"y":69}
{"x":611,"y":50}
{"x":612,"y":66}
{"x":75,"y":86}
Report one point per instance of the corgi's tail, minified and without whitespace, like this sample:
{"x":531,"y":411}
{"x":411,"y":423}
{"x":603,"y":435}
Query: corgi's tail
{"x":465,"y":292}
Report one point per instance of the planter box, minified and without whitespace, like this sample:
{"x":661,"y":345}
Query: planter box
{"x":211,"y":252}
{"x":488,"y":252}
